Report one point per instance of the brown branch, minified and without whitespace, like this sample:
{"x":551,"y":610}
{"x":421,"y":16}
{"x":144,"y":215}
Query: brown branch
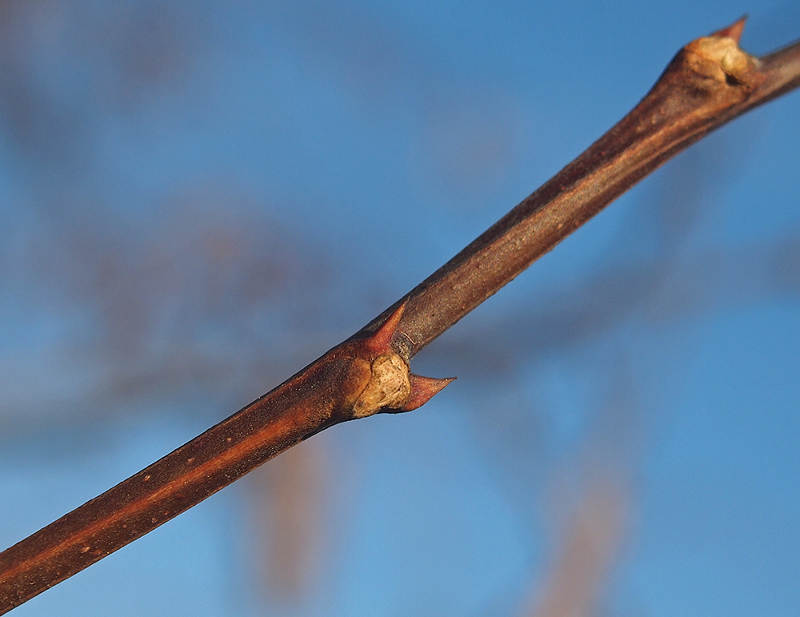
{"x":708,"y":83}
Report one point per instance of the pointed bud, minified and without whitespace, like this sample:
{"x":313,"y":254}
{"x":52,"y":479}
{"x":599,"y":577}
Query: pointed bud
{"x":734,"y":31}
{"x":381,"y":340}
{"x":423,"y":389}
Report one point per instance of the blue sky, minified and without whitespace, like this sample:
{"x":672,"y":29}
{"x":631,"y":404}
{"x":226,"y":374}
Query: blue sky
{"x":199,"y":200}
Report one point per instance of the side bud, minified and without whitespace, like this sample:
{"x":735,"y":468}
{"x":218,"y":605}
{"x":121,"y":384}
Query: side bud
{"x":391,"y":386}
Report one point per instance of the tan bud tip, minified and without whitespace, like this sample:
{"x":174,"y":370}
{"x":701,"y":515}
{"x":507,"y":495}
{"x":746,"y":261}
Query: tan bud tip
{"x":734,"y":31}
{"x":423,"y":389}
{"x":381,"y":340}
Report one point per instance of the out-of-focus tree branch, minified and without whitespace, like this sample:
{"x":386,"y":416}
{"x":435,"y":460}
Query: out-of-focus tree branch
{"x":589,"y":545}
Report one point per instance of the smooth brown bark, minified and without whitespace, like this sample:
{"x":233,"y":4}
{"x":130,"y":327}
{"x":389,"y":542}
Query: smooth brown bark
{"x":709,"y":82}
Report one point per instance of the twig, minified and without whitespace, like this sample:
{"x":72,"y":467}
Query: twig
{"x":708,"y":83}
